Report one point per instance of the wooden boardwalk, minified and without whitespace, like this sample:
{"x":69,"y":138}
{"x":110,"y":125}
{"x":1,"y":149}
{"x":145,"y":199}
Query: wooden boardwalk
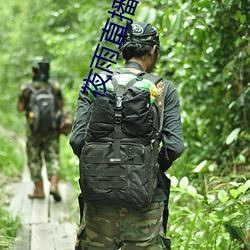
{"x":46,"y":224}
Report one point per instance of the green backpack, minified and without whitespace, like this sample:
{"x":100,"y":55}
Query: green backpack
{"x":118,"y":164}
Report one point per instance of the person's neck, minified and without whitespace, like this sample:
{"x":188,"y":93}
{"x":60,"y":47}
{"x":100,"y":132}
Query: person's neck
{"x":140,"y":65}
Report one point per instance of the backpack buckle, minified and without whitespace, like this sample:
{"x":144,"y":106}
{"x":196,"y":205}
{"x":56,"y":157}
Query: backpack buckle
{"x":118,"y":118}
{"x":119,"y":102}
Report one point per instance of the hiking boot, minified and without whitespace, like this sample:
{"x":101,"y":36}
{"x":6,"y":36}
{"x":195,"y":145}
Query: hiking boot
{"x":38,"y":191}
{"x":54,"y":187}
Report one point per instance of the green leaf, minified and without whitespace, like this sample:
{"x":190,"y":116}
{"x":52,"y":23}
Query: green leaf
{"x":184,"y":183}
{"x":234,"y":192}
{"x":247,"y":184}
{"x":192,"y":190}
{"x":232,"y":136}
{"x":233,"y":183}
{"x":177,"y":25}
{"x":200,"y":167}
{"x":245,"y":199}
{"x":210,"y":198}
{"x":242,"y":189}
{"x":222,"y":196}
{"x":235,"y":232}
{"x":174,"y":181}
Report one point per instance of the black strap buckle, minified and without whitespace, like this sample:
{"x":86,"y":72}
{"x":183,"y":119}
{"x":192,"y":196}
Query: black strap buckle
{"x":118,"y":118}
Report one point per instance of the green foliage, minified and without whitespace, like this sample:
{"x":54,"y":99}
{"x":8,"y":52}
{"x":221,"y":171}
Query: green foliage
{"x":69,"y":162}
{"x":8,"y":229}
{"x":204,"y":50}
{"x":11,"y":156}
{"x":217,"y":220}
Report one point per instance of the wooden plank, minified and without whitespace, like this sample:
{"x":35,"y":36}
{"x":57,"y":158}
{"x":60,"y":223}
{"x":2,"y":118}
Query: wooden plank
{"x":64,"y":235}
{"x":62,"y":211}
{"x":20,"y":204}
{"x":22,"y":240}
{"x":40,"y":207}
{"x":26,"y":173}
{"x":71,"y":202}
{"x":58,"y":211}
{"x":45,"y":222}
{"x":39,"y":211}
{"x":42,"y":237}
{"x":24,"y":212}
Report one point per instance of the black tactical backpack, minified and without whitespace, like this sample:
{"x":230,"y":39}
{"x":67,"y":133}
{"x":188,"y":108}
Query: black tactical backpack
{"x":43,"y":109}
{"x":118,"y":164}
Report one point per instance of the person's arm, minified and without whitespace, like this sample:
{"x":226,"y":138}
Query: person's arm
{"x":20,"y":106}
{"x":23,"y":98}
{"x":172,"y":138}
{"x":77,"y":134}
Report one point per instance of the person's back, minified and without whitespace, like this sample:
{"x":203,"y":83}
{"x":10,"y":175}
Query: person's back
{"x":42,"y":101}
{"x":111,"y":226}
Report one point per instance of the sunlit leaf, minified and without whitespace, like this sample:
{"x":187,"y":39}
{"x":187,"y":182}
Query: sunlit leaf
{"x":234,"y":192}
{"x":174,"y":181}
{"x":200,"y":167}
{"x":210,"y":198}
{"x":242,"y":189}
{"x":232,"y":136}
{"x":184,"y":183}
{"x":222,"y":196}
{"x":247,"y":184}
{"x":192,"y":190}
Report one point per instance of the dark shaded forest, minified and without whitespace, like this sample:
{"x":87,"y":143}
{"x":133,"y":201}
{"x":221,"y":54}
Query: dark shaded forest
{"x":205,"y":52}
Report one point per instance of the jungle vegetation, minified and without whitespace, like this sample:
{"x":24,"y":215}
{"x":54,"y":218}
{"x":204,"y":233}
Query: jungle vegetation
{"x":205,"y":52}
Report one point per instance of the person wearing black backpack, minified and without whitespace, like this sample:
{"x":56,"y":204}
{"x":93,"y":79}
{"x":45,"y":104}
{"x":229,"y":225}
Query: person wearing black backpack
{"x":126,"y":140}
{"x":42,"y":102}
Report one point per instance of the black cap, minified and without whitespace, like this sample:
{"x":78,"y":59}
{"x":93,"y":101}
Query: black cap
{"x":40,"y":66}
{"x":142,"y":33}
{"x":37,"y":61}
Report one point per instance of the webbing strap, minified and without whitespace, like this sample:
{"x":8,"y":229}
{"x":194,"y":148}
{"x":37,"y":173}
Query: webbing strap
{"x":105,"y":160}
{"x":119,"y":90}
{"x":99,"y":184}
{"x":152,"y":78}
{"x":104,"y":172}
{"x":109,"y":196}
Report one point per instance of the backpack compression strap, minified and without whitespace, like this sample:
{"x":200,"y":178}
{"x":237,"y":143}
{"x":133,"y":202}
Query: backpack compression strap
{"x":119,"y":90}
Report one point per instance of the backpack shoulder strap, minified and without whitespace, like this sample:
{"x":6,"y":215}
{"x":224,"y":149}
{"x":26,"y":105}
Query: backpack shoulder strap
{"x":32,"y":88}
{"x":153,"y":78}
{"x":51,"y":87}
{"x":121,"y":89}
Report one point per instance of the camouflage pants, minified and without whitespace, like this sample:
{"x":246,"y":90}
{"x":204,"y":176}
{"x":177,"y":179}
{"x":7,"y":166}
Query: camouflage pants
{"x":121,"y":228}
{"x":39,"y":148}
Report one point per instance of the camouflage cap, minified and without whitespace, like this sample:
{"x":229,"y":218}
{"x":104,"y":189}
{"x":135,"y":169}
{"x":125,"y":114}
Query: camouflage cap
{"x":142,"y":33}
